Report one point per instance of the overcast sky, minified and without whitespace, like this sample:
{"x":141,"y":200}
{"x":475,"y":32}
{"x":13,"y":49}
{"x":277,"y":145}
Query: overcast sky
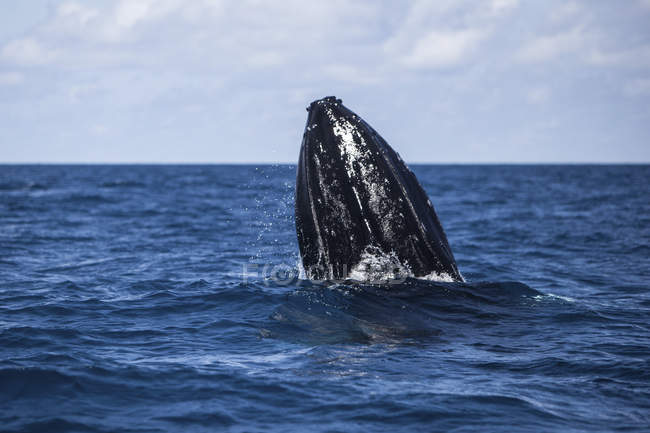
{"x":228,"y":81}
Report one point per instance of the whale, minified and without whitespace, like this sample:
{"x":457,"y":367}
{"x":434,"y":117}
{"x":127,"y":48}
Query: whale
{"x":358,"y":205}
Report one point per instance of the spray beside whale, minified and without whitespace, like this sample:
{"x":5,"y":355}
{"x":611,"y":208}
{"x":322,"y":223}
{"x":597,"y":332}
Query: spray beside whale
{"x":357,"y":203}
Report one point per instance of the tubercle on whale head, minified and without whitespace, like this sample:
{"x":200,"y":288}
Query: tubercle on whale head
{"x":328,"y":100}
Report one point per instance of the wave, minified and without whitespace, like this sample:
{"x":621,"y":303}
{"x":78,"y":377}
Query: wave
{"x":22,"y":186}
{"x":84,"y":263}
{"x":88,"y":198}
{"x":122,"y":184}
{"x":415,"y":308}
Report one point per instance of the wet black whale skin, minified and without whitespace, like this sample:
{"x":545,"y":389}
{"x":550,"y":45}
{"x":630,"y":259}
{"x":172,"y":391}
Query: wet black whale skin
{"x":355,"y":195}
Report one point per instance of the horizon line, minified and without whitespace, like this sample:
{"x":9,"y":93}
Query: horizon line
{"x":4,"y":163}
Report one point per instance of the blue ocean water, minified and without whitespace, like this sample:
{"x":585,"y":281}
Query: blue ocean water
{"x":162,"y":298}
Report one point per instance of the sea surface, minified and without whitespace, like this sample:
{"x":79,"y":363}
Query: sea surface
{"x":168,"y":299}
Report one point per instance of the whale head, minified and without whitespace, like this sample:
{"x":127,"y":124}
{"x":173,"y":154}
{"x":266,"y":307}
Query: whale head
{"x":355,"y":199}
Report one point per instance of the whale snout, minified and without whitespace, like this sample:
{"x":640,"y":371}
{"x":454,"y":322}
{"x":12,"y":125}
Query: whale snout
{"x":322,"y":131}
{"x":326,"y":101}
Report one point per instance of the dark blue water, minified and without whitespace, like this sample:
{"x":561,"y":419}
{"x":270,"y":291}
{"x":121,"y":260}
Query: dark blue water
{"x":147,"y":299}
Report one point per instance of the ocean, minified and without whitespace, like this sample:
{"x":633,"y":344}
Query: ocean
{"x":167,"y":298}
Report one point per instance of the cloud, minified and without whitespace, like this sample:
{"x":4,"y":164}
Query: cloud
{"x":638,"y":56}
{"x":130,"y":14}
{"x":544,"y":48}
{"x":207,"y":33}
{"x":114,"y":24}
{"x":443,"y":34}
{"x":588,"y":39}
{"x":75,"y":14}
{"x":27,"y":52}
{"x":501,"y":6}
{"x":441,"y":49}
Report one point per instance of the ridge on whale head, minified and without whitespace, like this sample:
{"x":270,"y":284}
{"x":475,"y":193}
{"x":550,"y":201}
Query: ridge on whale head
{"x":356,"y":199}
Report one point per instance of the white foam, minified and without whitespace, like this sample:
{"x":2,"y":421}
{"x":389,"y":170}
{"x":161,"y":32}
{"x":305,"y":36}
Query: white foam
{"x":302,"y":275}
{"x":381,"y":267}
{"x":251,"y":363}
{"x":552,"y":296}
{"x":378,"y":266}
{"x":440,"y":277}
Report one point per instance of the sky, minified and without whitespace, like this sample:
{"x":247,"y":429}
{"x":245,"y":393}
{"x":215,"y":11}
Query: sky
{"x":211,"y":81}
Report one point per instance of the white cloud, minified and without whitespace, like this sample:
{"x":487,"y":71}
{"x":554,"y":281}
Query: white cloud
{"x":443,"y":34}
{"x":10,"y":78}
{"x":128,"y":14}
{"x":75,"y":14}
{"x":501,"y":6}
{"x":206,"y":32}
{"x":635,"y":56}
{"x":545,"y":48}
{"x":116,"y":23}
{"x":438,"y":49}
{"x":27,"y":52}
{"x":588,"y":42}
{"x":605,"y":58}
